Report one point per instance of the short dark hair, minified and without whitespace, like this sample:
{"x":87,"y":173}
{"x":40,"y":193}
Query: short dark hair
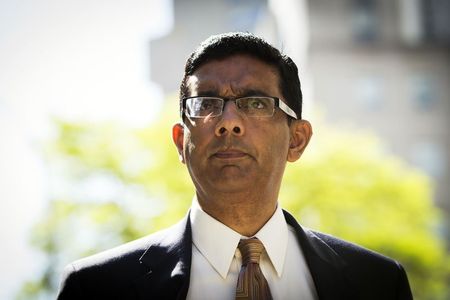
{"x":224,"y":45}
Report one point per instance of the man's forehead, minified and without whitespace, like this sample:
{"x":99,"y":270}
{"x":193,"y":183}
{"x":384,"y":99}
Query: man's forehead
{"x":197,"y":86}
{"x":237,"y":74}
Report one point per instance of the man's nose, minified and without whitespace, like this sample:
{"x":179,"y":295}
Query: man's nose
{"x":231,"y":121}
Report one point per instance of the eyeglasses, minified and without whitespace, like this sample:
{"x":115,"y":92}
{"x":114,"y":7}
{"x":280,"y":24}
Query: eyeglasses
{"x":253,"y":106}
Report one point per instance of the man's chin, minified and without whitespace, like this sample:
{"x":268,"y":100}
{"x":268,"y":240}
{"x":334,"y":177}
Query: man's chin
{"x":234,"y":173}
{"x":231,"y":179}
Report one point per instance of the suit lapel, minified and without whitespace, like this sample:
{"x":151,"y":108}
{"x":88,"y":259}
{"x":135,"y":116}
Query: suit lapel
{"x":168,"y":260}
{"x":325,"y":265}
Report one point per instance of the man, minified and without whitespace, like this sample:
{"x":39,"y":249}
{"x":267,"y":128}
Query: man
{"x":241,"y":105}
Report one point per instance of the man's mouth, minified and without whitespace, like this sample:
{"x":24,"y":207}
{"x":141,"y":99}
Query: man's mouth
{"x":229,"y":154}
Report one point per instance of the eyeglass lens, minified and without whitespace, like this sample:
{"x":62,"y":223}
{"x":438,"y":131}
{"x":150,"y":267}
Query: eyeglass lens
{"x":201,"y":107}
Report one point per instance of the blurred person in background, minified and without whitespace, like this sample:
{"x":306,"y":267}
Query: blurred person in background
{"x":241,"y":122}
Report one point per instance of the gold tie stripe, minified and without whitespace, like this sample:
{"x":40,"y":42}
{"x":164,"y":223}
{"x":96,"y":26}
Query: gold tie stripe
{"x":252,"y":284}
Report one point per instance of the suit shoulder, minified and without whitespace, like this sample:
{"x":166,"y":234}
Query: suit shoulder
{"x":353,"y":251}
{"x":128,"y":250}
{"x":132,"y":250}
{"x":366,"y":273}
{"x":361,"y":261}
{"x":370,"y":270}
{"x":338,"y":251}
{"x":110,"y":273}
{"x":89,"y":277}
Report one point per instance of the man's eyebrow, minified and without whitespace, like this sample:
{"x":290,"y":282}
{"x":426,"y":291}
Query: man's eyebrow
{"x":208,"y":93}
{"x":252,"y":92}
{"x":241,"y":93}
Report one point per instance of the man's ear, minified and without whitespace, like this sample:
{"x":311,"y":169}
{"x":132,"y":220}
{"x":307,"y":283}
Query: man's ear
{"x":301,"y":132}
{"x":178,"y":139}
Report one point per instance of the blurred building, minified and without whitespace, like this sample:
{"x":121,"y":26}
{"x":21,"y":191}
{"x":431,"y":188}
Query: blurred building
{"x":385,"y":65}
{"x":194,"y":21}
{"x":380,"y":64}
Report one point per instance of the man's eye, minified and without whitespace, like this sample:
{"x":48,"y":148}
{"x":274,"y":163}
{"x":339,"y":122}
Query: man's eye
{"x":205,"y":105}
{"x":255,"y":103}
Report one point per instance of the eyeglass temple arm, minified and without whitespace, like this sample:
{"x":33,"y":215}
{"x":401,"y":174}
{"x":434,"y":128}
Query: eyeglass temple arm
{"x":287,"y":109}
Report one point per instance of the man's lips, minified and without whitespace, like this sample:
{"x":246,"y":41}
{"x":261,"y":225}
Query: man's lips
{"x":229,"y":154}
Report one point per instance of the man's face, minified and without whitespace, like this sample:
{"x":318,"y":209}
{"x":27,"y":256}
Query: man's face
{"x":234,"y":152}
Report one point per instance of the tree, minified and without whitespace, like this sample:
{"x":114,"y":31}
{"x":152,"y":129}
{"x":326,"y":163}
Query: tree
{"x":132,"y":184}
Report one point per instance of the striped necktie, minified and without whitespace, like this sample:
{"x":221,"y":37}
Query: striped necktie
{"x":251,"y":285}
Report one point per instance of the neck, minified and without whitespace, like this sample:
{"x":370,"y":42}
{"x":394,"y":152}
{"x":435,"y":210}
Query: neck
{"x":244,"y":213}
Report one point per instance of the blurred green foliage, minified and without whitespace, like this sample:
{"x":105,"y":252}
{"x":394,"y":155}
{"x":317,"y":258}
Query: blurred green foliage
{"x":345,"y":185}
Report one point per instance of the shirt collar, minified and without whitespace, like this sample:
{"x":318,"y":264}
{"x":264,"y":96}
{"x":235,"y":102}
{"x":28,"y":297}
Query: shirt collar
{"x":274,"y":236}
{"x":205,"y":233}
{"x":206,"y":229}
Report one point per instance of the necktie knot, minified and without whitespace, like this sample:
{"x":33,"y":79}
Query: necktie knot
{"x":251,"y":285}
{"x":251,"y":250}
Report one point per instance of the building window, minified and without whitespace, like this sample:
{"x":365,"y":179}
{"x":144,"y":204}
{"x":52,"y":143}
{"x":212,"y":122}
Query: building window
{"x":364,"y":20}
{"x":244,"y":14}
{"x":423,"y":92}
{"x":429,"y":157}
{"x":370,"y":93}
{"x":437,"y":21}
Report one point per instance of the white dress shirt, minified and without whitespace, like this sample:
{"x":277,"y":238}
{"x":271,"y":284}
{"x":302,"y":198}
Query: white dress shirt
{"x":216,"y":261}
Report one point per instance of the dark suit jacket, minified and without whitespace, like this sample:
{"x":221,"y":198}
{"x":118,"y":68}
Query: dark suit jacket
{"x":158,"y":267}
